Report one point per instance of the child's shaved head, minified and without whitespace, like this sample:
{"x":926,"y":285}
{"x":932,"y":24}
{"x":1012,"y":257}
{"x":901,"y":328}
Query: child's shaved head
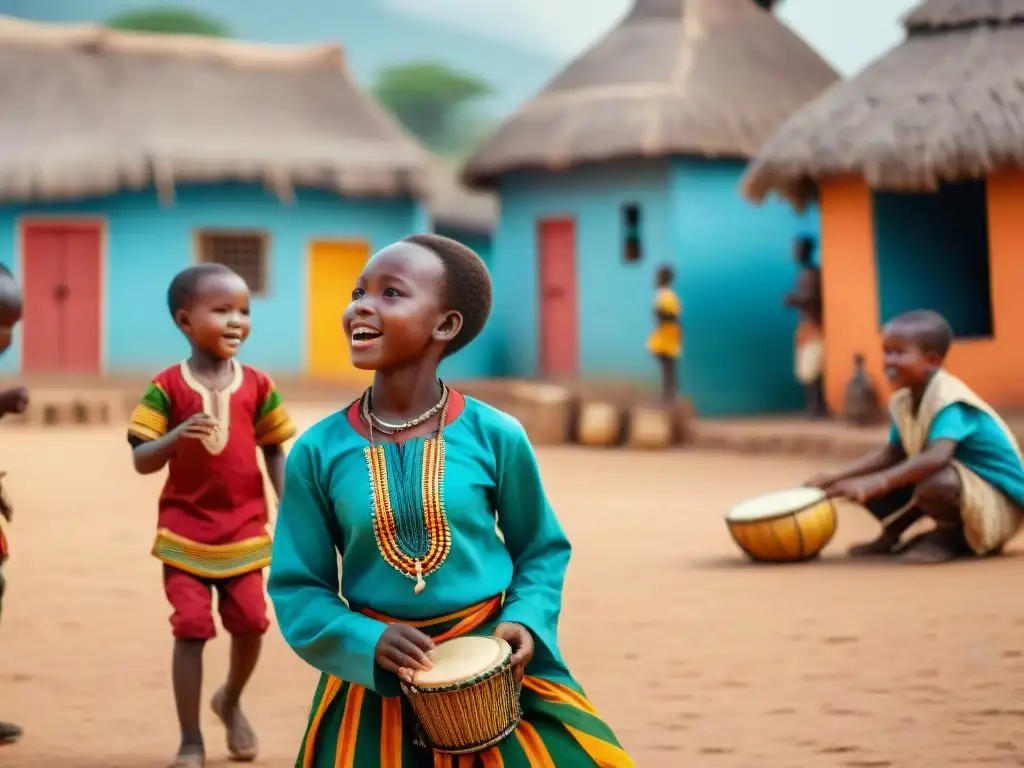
{"x":927,"y":329}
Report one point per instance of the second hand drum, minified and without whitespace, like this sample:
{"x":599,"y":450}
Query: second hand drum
{"x":783,"y":527}
{"x":469,"y":700}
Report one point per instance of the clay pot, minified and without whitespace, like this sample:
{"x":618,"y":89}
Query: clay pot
{"x":651,"y":428}
{"x":599,"y":424}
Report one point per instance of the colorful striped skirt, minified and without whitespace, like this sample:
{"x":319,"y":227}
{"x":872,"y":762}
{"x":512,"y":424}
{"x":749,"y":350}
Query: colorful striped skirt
{"x":353,"y":727}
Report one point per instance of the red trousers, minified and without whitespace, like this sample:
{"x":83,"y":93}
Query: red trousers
{"x":240,"y":601}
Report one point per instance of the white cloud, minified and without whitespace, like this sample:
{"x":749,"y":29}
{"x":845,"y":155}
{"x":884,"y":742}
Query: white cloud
{"x":849,"y":34}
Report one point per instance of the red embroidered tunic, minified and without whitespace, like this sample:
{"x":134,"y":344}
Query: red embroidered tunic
{"x":213,"y":509}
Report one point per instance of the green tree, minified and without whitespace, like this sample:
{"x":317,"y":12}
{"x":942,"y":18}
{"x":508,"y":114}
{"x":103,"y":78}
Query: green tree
{"x":431,"y":100}
{"x":169,"y":20}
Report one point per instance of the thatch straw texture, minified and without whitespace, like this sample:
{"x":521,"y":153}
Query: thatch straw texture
{"x":677,"y":77}
{"x":945,"y":105}
{"x":90,"y":111}
{"x":454,"y":205}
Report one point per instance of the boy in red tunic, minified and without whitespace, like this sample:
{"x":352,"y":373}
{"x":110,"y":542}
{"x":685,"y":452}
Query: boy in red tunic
{"x":204,"y":418}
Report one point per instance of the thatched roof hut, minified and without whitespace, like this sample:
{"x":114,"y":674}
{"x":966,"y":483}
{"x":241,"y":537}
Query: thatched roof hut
{"x":91,"y":111}
{"x":454,"y":206}
{"x":676,"y":77}
{"x":945,"y":105}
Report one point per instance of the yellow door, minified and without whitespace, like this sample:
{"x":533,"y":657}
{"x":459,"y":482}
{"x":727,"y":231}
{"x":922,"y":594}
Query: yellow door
{"x":334,"y":267}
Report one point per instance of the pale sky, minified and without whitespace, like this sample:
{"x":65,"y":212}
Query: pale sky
{"x":848,"y":34}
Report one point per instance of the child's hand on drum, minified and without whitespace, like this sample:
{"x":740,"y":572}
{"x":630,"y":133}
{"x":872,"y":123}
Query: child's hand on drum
{"x":521,"y":640}
{"x":403,"y":650}
{"x":821,"y":480}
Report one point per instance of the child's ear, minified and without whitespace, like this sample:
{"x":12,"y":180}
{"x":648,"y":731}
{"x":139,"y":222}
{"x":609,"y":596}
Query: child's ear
{"x":181,"y":318}
{"x":449,"y":327}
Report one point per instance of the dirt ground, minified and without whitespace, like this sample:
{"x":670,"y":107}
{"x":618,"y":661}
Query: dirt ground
{"x":696,"y":657}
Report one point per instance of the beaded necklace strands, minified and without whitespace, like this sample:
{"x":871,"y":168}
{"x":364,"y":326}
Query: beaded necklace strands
{"x":433,"y":539}
{"x":388,"y":428}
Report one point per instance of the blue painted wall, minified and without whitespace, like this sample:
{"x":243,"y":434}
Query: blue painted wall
{"x":733,"y":263}
{"x":931,"y":252}
{"x":614,"y":297}
{"x":147,"y":243}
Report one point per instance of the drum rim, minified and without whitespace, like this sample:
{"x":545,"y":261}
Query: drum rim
{"x":769,"y":518}
{"x":466,"y":682}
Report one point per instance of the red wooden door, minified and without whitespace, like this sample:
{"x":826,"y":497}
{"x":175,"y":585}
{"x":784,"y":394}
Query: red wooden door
{"x":556,"y":246}
{"x":61,"y":267}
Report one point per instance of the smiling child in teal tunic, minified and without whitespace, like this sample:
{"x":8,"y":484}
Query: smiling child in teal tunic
{"x":436,"y":505}
{"x":949,"y":457}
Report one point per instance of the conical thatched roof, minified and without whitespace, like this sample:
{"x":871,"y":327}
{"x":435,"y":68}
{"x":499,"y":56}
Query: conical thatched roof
{"x":676,"y":77}
{"x":947,"y":104}
{"x":89,"y":111}
{"x":453,"y":205}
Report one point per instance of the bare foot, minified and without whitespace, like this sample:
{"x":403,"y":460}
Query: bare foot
{"x":9,"y":733}
{"x":189,"y":756}
{"x":935,"y":547}
{"x":886,"y":544}
{"x":243,"y":745}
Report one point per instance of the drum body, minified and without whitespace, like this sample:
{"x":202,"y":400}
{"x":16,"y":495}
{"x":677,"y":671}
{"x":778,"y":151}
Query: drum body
{"x":784,"y":527}
{"x":469,"y":701}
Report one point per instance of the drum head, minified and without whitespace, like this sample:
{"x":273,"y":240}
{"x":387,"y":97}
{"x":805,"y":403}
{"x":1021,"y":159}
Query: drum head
{"x":775,"y":504}
{"x":462,"y":659}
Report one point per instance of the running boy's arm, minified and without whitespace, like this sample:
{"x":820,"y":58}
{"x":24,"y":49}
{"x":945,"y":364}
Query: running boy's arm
{"x":273,"y":428}
{"x":153,"y":444}
{"x":152,"y":454}
{"x":148,"y":431}
{"x":303,"y":583}
{"x":534,"y":538}
{"x":274,"y":459}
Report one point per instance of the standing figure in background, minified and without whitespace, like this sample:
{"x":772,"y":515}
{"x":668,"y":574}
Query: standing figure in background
{"x":862,"y":405}
{"x":810,"y":341}
{"x":13,"y":400}
{"x":666,"y":341}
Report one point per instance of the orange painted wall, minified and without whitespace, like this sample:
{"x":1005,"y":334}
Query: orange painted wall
{"x":992,"y":367}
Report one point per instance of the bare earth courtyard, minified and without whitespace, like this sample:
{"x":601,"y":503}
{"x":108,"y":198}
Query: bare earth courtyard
{"x":694,"y":656}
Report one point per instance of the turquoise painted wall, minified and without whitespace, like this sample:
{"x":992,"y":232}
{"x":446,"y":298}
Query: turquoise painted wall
{"x":148,"y":243}
{"x":733,"y":262}
{"x":931,"y":252}
{"x":614,"y":297}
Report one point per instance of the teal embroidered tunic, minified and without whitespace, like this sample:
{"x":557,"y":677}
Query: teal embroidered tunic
{"x":468,"y":514}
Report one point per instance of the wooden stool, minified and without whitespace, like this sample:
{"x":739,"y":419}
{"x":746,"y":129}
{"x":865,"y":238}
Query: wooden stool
{"x":599,"y":424}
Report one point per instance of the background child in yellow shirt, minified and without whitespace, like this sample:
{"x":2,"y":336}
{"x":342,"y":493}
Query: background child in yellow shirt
{"x":666,"y":341}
